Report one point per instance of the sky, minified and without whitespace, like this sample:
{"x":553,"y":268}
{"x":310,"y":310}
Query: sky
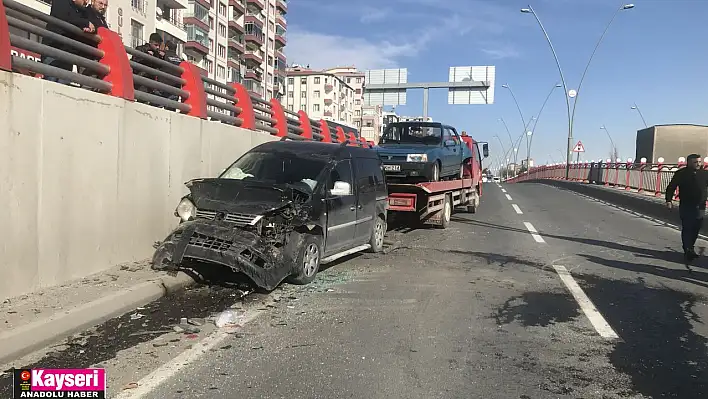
{"x":654,"y":55}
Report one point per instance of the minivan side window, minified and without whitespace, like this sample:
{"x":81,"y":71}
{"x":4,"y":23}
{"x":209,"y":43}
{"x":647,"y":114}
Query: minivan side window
{"x":369,"y":174}
{"x":341,"y":172}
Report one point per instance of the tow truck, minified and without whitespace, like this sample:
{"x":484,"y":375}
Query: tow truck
{"x":432,"y":203}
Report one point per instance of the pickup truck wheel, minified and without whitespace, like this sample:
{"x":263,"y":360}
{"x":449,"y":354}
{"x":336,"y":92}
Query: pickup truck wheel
{"x":377,"y":235}
{"x":435,"y":175}
{"x":308,"y":261}
{"x":446,"y":213}
{"x":462,"y":171}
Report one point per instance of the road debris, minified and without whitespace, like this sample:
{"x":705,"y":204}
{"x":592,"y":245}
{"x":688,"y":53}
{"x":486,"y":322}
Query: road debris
{"x":136,"y":316}
{"x":230,"y":318}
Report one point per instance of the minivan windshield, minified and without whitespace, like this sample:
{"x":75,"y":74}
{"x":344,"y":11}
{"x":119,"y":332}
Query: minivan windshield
{"x":412,"y":133}
{"x":276,"y":168}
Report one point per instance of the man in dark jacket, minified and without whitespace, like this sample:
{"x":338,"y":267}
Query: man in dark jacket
{"x":154,"y":49}
{"x":96,"y":13}
{"x":73,"y":12}
{"x":692,"y":182}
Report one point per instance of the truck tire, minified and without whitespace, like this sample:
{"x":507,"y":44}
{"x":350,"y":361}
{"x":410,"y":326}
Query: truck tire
{"x":446,"y":213}
{"x":473,"y":203}
{"x":377,"y":235}
{"x":435,"y":174}
{"x":308,"y":261}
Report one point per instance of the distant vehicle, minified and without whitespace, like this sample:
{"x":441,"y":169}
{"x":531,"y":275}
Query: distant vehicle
{"x":496,"y":178}
{"x":484,"y":179}
{"x":280,"y":211}
{"x":427,"y":151}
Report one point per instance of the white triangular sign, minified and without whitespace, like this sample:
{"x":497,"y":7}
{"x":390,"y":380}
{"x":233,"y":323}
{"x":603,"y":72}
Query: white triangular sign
{"x":579,"y":147}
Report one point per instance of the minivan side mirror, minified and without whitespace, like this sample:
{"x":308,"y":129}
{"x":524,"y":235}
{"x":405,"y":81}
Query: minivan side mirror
{"x":485,"y":150}
{"x":341,"y":188}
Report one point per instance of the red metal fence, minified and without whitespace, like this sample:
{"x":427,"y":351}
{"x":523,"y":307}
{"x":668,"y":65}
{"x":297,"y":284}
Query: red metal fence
{"x":642,"y":177}
{"x":109,"y":67}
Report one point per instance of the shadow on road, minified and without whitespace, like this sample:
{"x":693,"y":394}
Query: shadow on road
{"x":538,"y":309}
{"x":659,"y":349}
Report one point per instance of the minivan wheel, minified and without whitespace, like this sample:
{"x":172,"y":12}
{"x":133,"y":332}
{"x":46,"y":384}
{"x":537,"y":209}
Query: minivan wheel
{"x":377,"y":235}
{"x":308,"y":261}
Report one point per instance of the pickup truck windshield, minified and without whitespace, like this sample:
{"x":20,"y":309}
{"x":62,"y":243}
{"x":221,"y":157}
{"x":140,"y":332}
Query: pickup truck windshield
{"x":276,"y":168}
{"x":412,"y":134}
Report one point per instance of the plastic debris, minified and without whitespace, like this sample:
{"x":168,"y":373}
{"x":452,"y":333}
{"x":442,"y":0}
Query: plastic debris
{"x":136,"y":316}
{"x":131,"y":385}
{"x":230,"y":318}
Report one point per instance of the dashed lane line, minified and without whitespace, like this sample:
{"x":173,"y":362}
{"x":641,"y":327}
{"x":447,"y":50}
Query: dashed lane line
{"x":534,"y":233}
{"x":503,"y":191}
{"x":517,"y":209}
{"x":596,"y":319}
{"x":508,"y":197}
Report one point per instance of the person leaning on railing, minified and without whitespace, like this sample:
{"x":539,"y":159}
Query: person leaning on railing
{"x":96,"y":13}
{"x":154,"y":48}
{"x":171,"y":56}
{"x":73,"y":12}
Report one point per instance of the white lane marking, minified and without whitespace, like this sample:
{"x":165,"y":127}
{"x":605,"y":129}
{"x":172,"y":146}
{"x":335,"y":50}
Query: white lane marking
{"x":503,"y":191}
{"x":517,"y":209}
{"x":508,"y":197}
{"x":591,"y":312}
{"x":151,"y":381}
{"x":534,"y":232}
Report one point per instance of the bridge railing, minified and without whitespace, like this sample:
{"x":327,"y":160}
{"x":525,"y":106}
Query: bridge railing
{"x":104,"y":64}
{"x":642,"y":177}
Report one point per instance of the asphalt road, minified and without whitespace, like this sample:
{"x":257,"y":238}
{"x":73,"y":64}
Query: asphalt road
{"x":541,"y":294}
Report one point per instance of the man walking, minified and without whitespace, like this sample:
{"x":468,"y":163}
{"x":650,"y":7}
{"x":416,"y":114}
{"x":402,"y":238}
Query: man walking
{"x":692,"y":182}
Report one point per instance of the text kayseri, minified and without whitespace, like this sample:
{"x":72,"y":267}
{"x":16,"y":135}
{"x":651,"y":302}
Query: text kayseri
{"x":59,"y":381}
{"x":60,"y":394}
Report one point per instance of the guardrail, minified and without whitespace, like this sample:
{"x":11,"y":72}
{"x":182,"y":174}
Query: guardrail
{"x":641,"y":177}
{"x":107,"y":66}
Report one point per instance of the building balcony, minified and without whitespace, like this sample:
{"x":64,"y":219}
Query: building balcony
{"x":236,"y":44}
{"x":253,"y":86}
{"x":236,"y":26}
{"x":173,"y":4}
{"x":196,"y":47}
{"x":205,"y":3}
{"x":281,"y":21}
{"x":328,"y":101}
{"x":255,"y":38}
{"x":254,"y":74}
{"x":252,"y":58}
{"x":282,"y":6}
{"x":254,"y":20}
{"x":255,"y":5}
{"x":238,"y":6}
{"x":328,"y":113}
{"x":172,"y":26}
{"x":280,"y":40}
{"x":233,"y":62}
{"x":192,"y":20}
{"x":329,"y":87}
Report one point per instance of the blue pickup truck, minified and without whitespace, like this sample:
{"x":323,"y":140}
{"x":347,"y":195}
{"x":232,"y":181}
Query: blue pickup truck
{"x":422,"y":151}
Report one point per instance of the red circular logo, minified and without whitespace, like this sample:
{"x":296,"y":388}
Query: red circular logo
{"x":25,"y":375}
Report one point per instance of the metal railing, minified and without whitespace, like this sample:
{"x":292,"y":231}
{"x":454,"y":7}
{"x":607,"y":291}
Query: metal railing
{"x":106,"y":65}
{"x":640,"y":177}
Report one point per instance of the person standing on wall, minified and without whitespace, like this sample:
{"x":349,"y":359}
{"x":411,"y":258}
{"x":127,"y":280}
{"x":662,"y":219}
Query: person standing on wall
{"x":692,"y":182}
{"x":73,"y":12}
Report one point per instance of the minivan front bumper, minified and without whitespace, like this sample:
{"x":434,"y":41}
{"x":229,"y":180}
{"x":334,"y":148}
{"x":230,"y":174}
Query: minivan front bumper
{"x":218,"y":243}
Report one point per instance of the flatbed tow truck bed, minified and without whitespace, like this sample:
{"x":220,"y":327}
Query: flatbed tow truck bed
{"x":432,"y":202}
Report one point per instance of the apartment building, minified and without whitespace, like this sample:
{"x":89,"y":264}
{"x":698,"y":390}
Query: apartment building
{"x":230,"y":40}
{"x":355,"y":79}
{"x":323,"y":95}
{"x":371,"y":122}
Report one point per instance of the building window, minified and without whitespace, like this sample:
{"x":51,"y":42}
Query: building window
{"x":291,"y":94}
{"x":316,"y":107}
{"x":209,"y":66}
{"x":357,"y":112}
{"x":136,"y":31}
{"x":317,"y":80}
{"x":291,"y":81}
{"x":291,"y":107}
{"x":303,"y":81}
{"x":211,"y":22}
{"x":211,"y":45}
{"x":303,"y":107}
{"x":317,"y":94}
{"x":221,"y":72}
{"x":303,"y":94}
{"x":349,"y":80}
{"x":358,"y":91}
{"x":357,"y":123}
{"x":222,"y":30}
{"x":358,"y":80}
{"x":222,"y":51}
{"x":357,"y":102}
{"x":222,"y":9}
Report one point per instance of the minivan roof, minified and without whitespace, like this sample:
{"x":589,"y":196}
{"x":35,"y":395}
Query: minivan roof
{"x":308,"y":148}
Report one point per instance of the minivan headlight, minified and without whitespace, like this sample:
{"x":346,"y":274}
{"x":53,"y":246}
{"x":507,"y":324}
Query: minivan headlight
{"x":186,"y":210}
{"x":417,"y":158}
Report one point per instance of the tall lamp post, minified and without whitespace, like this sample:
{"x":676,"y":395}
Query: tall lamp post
{"x":571,"y":116}
{"x":614,"y":147}
{"x":511,"y":141}
{"x":640,"y":114}
{"x":533,"y":130}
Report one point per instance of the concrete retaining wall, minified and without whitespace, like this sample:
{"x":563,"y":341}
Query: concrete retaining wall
{"x":88,"y":181}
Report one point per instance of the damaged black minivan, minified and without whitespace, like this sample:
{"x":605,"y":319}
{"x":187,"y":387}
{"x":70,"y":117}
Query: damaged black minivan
{"x":280,"y":211}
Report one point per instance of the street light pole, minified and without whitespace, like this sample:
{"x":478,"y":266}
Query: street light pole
{"x":511,"y":141}
{"x":521,"y":115}
{"x":533,"y":131}
{"x":614,"y":147}
{"x":640,"y":114}
{"x":571,"y":116}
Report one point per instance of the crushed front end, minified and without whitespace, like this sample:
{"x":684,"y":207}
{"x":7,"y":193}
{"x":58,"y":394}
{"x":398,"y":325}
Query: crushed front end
{"x":261,"y":246}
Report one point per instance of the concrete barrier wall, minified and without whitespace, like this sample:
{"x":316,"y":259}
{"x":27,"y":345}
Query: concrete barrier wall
{"x":89,"y":181}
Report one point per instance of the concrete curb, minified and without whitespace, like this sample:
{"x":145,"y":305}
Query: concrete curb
{"x":30,"y":337}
